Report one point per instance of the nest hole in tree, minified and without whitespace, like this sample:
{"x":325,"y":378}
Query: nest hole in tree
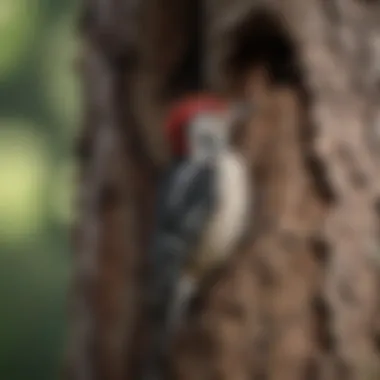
{"x":261,"y":39}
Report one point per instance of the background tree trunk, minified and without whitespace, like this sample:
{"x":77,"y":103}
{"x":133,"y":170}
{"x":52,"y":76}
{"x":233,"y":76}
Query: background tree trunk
{"x":300,"y":299}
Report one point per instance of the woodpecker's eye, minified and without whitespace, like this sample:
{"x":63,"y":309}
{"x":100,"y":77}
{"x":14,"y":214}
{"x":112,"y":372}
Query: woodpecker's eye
{"x":207,"y":137}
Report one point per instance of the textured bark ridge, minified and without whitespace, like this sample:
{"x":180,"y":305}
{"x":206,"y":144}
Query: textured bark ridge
{"x":300,"y":298}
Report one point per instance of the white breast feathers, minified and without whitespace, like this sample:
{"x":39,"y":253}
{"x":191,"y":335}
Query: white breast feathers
{"x":230,"y":219}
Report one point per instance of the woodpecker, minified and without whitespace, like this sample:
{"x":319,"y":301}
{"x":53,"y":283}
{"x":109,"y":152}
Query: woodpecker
{"x":201,"y":213}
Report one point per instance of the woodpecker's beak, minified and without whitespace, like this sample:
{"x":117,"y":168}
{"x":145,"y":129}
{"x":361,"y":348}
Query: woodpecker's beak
{"x":238,"y":116}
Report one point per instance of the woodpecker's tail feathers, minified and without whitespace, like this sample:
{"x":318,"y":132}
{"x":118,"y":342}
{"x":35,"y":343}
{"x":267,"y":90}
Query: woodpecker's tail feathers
{"x":186,"y":290}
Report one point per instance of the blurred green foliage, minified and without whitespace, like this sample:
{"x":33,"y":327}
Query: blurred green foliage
{"x":39,"y":117}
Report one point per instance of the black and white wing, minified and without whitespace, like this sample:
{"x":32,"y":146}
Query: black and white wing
{"x":184,"y":202}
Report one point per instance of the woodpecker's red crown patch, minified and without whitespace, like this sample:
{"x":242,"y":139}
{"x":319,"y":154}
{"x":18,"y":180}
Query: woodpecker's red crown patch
{"x":183,"y":111}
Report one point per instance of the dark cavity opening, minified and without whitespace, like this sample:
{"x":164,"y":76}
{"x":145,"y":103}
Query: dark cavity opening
{"x":261,"y":40}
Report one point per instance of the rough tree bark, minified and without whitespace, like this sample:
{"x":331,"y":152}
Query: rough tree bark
{"x":300,"y":299}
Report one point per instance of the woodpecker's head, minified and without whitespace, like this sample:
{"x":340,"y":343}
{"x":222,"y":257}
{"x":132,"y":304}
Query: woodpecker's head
{"x":199,"y":127}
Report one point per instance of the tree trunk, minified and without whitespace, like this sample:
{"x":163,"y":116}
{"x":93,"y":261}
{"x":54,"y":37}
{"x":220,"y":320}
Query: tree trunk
{"x":300,"y":299}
